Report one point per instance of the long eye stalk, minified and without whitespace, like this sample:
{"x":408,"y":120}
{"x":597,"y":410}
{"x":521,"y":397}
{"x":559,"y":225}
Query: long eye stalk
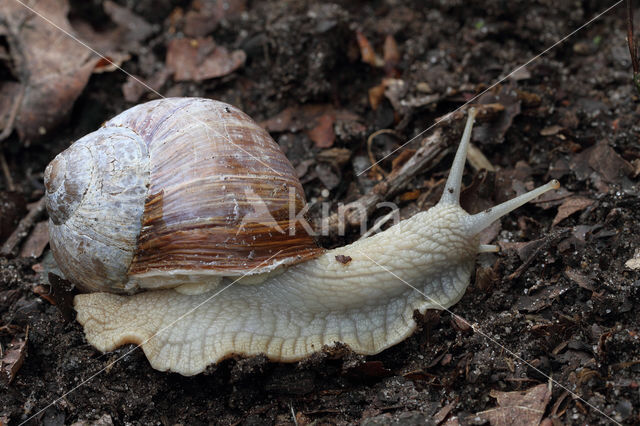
{"x":481,"y":220}
{"x":451,"y":194}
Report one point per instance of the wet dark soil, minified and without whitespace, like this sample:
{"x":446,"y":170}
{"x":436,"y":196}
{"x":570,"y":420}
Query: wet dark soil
{"x":557,"y":296}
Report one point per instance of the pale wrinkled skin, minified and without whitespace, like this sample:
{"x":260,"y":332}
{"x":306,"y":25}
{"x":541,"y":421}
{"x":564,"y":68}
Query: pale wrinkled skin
{"x":292,"y":315}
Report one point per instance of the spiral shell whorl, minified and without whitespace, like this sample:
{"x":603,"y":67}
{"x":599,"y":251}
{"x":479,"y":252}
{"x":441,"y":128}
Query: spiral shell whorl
{"x":66,"y":180}
{"x":93,"y":245}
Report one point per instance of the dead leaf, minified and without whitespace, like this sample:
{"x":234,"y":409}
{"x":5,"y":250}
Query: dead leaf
{"x":580,"y":279}
{"x":132,"y":28}
{"x":52,"y":68}
{"x":44,"y":291}
{"x":478,"y":160}
{"x":307,"y":117}
{"x":552,"y":198}
{"x":391,"y":55}
{"x":634,"y":262}
{"x":376,"y":94}
{"x":409,"y":195}
{"x":37,"y":241}
{"x":518,"y":407}
{"x":196,"y":59}
{"x":636,"y":166}
{"x":604,"y":161}
{"x":551,"y":130}
{"x":570,"y":206}
{"x":133,"y":90}
{"x":337,"y":156}
{"x":494,"y":131}
{"x":322,"y":134}
{"x":367,"y":53}
{"x":12,"y":360}
{"x":441,"y":415}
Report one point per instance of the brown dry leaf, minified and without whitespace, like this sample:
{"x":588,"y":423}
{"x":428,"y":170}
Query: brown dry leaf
{"x":519,"y":407}
{"x":52,"y":68}
{"x":551,"y":130}
{"x":116,"y":41}
{"x":409,"y":195}
{"x":131,"y":28}
{"x":133,"y":89}
{"x":580,"y":279}
{"x":570,"y":206}
{"x":552,"y":198}
{"x":444,"y":412}
{"x":37,"y":241}
{"x":322,"y":134}
{"x":306,"y":117}
{"x":477,"y":160}
{"x":367,"y":53}
{"x":524,"y":249}
{"x":634,"y":262}
{"x":44,"y":291}
{"x":391,"y":55}
{"x":12,"y":359}
{"x":376,"y":94}
{"x":636,"y":167}
{"x":337,"y":156}
{"x":494,"y":131}
{"x":286,"y":120}
{"x":200,"y":59}
{"x":604,"y":161}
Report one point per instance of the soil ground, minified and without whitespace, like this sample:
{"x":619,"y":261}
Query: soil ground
{"x":565,"y":303}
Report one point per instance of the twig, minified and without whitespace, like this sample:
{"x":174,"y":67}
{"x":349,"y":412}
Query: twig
{"x":370,"y":139}
{"x":8,"y":128}
{"x":354,"y":213}
{"x":6,"y":172}
{"x":427,"y":156}
{"x":633,"y":50}
{"x":549,"y":241}
{"x":21,"y":231}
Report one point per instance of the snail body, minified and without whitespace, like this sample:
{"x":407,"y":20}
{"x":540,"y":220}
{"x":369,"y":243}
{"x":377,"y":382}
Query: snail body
{"x":299,"y":297}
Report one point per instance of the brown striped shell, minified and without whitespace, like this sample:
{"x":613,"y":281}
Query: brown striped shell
{"x":171,"y":192}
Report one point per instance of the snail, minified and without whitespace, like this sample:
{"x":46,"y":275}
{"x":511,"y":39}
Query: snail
{"x":180,"y":218}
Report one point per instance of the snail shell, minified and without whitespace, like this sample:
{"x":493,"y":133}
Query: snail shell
{"x":194,"y":189}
